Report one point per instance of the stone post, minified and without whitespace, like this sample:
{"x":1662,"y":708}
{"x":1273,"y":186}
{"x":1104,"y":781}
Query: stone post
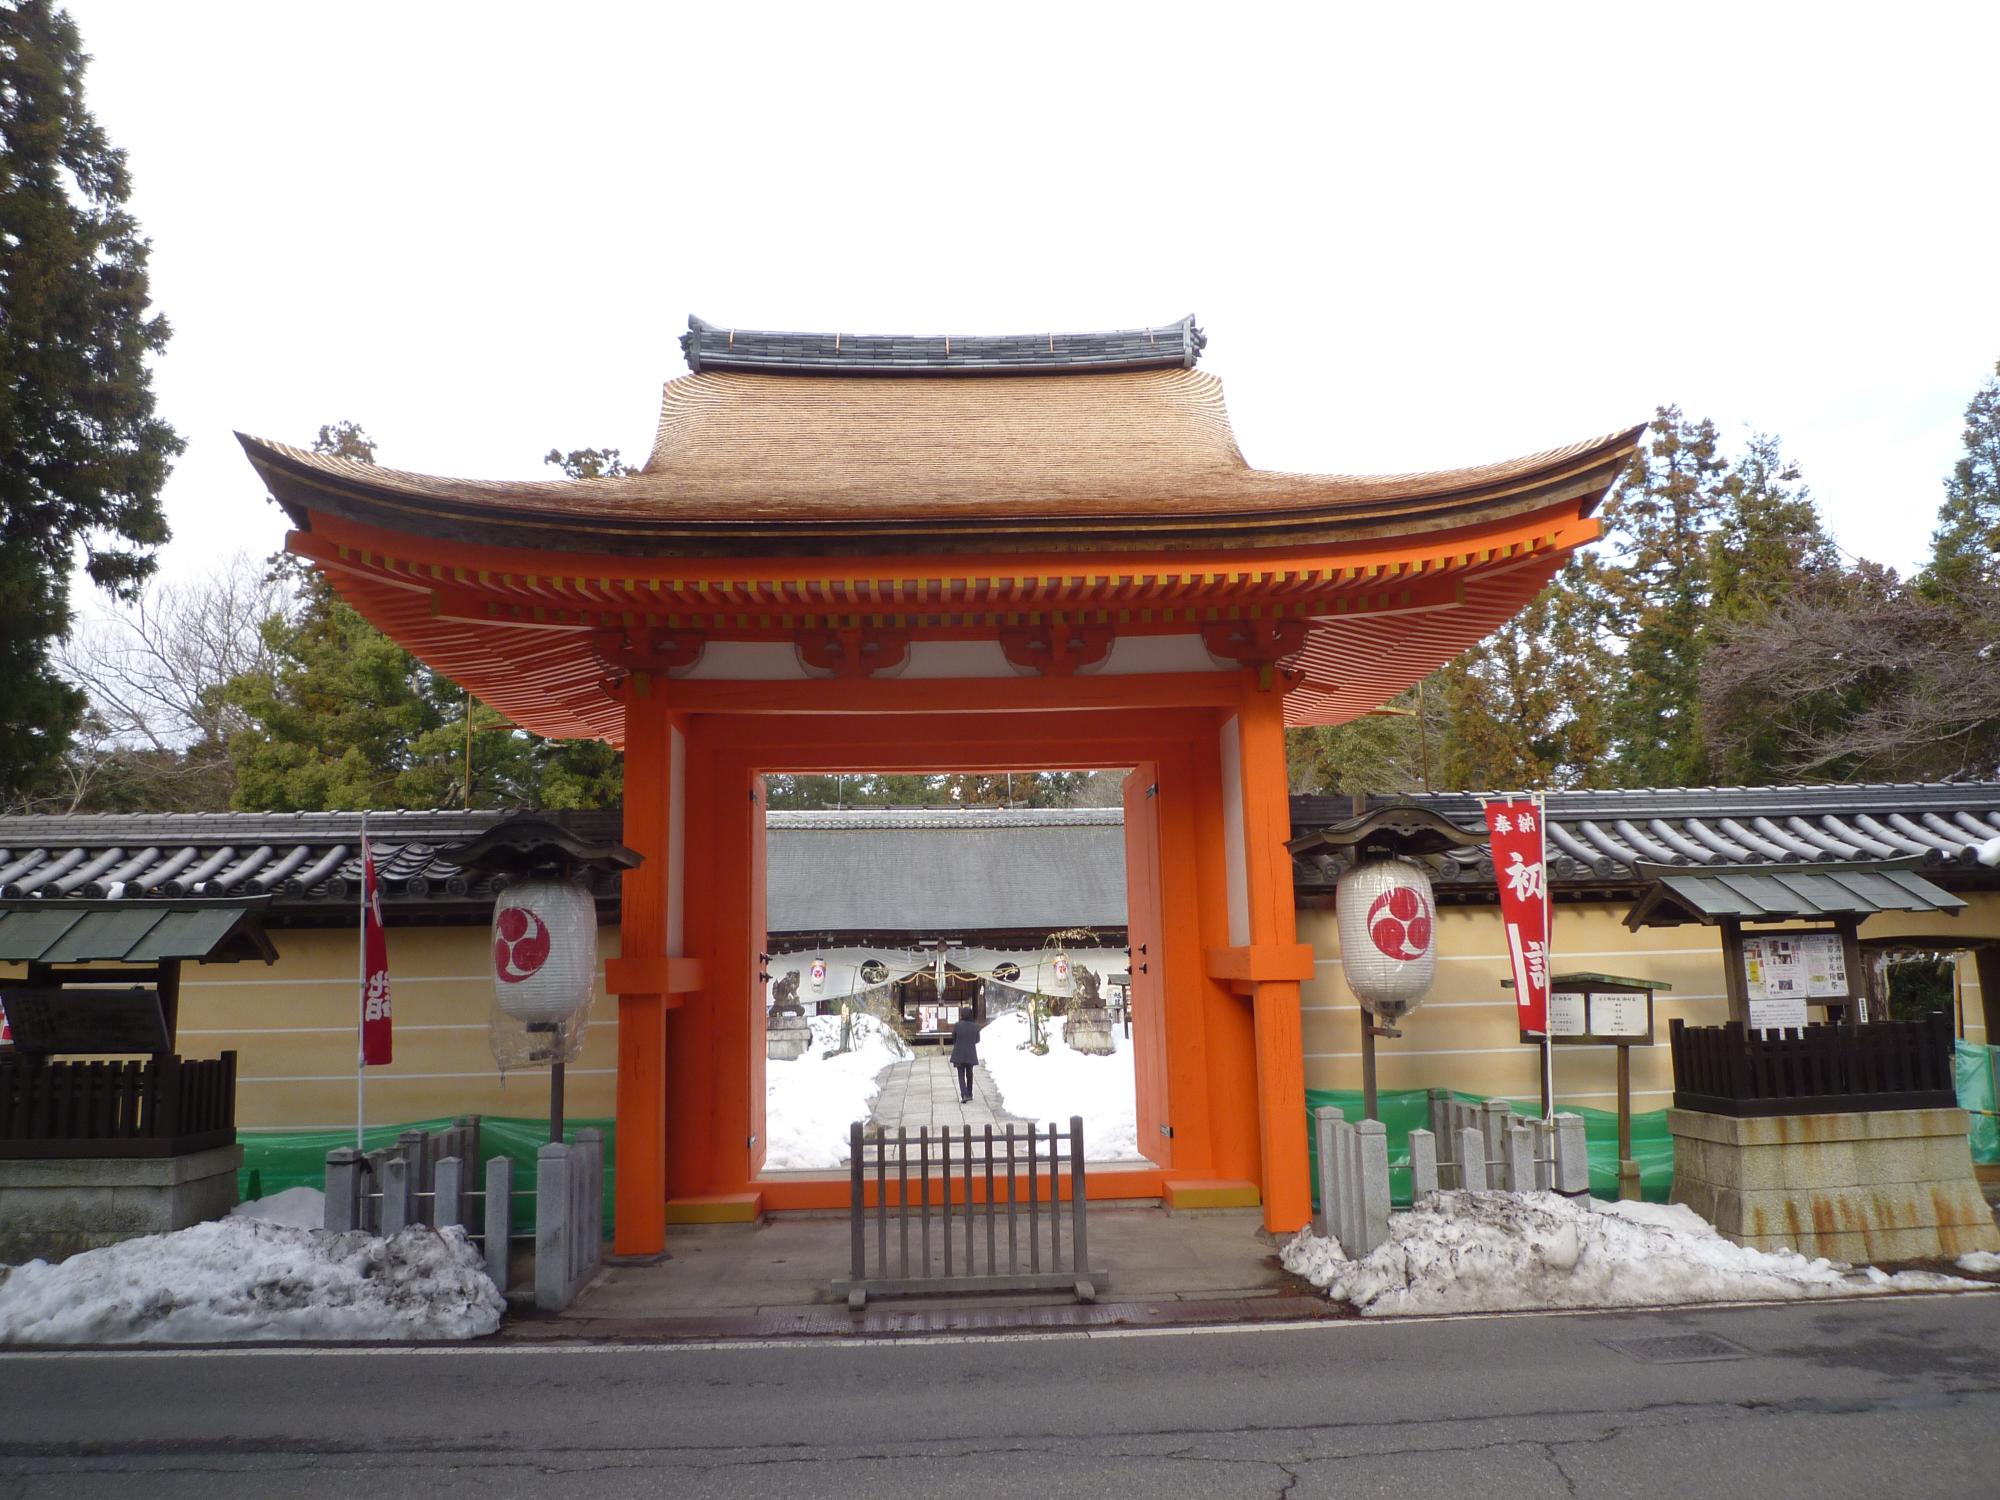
{"x":592,"y":1142}
{"x":553,"y":1230}
{"x":1572,"y":1175}
{"x":1371,"y":1144}
{"x":1494,"y":1116}
{"x":1520,"y":1158}
{"x":1423,"y":1165}
{"x":447,"y":1208}
{"x":395,"y":1196}
{"x":499,"y":1218}
{"x":1471,"y":1160}
{"x":343,"y":1189}
{"x":1323,"y":1121}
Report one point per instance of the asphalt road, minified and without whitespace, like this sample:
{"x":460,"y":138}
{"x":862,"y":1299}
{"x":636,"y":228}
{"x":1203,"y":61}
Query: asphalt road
{"x":1887,"y":1397}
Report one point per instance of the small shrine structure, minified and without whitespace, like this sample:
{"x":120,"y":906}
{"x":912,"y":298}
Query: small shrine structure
{"x":858,"y":553}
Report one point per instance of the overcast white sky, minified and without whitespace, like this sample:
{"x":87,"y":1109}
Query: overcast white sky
{"x":1417,"y":236}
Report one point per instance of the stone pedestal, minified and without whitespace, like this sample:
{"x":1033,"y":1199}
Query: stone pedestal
{"x":54,"y":1208}
{"x":1887,"y":1185}
{"x":1089,"y":1030}
{"x":787,"y":1036}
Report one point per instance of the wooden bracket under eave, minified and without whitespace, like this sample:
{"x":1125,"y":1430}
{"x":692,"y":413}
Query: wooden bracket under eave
{"x":1243,"y":969}
{"x":652,"y":976}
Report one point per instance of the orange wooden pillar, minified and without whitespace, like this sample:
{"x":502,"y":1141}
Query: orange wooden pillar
{"x":639,"y":975}
{"x":1271,"y":963}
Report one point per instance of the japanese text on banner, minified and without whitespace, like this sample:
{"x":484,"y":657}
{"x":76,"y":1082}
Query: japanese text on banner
{"x":1514,"y":828}
{"x":377,"y":1040}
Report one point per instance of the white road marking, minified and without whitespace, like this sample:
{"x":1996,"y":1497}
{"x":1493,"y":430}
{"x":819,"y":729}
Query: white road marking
{"x":904,"y":1340}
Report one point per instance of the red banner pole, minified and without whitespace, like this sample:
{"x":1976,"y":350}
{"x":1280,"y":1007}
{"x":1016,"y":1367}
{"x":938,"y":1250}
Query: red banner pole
{"x":361,"y":994}
{"x":1549,"y":957}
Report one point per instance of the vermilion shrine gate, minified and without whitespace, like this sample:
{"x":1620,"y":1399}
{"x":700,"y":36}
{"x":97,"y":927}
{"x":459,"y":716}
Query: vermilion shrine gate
{"x":905,"y":555}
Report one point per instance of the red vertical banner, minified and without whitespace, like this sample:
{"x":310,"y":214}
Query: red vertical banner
{"x":1514,"y":828}
{"x":377,"y":1039}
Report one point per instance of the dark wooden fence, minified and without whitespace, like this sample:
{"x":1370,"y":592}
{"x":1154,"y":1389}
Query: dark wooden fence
{"x":972,"y":1192}
{"x":1724,"y":1070}
{"x":165,"y":1106}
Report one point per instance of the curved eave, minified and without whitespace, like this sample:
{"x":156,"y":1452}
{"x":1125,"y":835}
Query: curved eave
{"x":626,"y":516}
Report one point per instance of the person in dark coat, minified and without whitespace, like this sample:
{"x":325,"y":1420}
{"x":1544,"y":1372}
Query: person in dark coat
{"x":965,"y":1051}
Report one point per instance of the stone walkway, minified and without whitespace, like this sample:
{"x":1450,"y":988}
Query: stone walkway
{"x":924,"y":1091}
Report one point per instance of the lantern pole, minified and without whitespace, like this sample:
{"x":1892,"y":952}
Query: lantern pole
{"x":1359,"y":806}
{"x":556,"y":1101}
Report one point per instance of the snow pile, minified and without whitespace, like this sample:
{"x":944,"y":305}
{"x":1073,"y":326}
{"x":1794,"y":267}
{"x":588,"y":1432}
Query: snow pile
{"x":1479,"y":1252}
{"x":296,"y":1208}
{"x":810,"y":1101}
{"x":1979,"y":1260}
{"x":242,"y":1278}
{"x":1064,"y":1083}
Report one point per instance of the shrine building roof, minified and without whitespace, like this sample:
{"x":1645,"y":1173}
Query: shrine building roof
{"x":782,"y":443}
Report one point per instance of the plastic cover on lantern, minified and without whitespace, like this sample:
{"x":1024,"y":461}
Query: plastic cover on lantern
{"x":1388,"y":934}
{"x":544,"y":947}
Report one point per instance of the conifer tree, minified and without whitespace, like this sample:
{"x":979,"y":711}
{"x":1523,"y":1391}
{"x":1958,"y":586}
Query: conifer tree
{"x":83,"y":456}
{"x":1965,"y":548}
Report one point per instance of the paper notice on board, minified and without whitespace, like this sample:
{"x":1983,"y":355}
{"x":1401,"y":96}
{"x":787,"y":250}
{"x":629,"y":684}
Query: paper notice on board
{"x":1566,"y":1016}
{"x":1617,"y":1015}
{"x":1826,"y":966}
{"x":1773,"y":968}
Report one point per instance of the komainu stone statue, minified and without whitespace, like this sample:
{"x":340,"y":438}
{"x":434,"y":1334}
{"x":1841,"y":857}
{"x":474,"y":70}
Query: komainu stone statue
{"x":1089,"y":1027}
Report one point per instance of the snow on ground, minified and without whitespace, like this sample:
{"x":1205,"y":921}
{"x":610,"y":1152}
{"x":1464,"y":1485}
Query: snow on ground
{"x":244,"y":1278}
{"x":1479,"y":1252}
{"x":1979,"y":1260}
{"x":296,"y":1207}
{"x":810,"y":1101}
{"x":1064,"y":1083}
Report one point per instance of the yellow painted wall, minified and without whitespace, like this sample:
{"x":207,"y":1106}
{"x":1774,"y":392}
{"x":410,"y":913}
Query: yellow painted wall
{"x":292,"y":1027}
{"x":1464,"y":1036}
{"x":292,"y":1024}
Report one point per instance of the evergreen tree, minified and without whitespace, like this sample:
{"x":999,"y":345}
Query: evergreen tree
{"x":346,"y":718}
{"x":1652,"y":596}
{"x":1965,"y":548}
{"x":82,"y":454}
{"x":1525,"y":707}
{"x":1769,"y":549}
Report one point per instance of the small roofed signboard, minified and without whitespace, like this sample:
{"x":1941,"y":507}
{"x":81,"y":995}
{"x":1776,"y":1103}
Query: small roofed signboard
{"x":87,"y":1020}
{"x":1783,"y":972}
{"x":1600,"y":1010}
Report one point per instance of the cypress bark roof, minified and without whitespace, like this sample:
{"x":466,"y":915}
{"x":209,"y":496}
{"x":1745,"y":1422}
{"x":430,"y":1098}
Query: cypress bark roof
{"x":826,"y":443}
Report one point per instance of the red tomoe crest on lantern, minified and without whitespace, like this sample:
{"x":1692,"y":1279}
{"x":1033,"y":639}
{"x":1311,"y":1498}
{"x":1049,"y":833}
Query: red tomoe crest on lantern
{"x":522,"y":946}
{"x":1387,"y":934}
{"x":544,"y":949}
{"x":1399,"y":922}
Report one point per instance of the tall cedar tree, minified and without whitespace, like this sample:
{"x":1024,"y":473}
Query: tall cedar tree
{"x":1965,"y":548}
{"x":82,"y":455}
{"x":1652,"y":594}
{"x":1769,"y":549}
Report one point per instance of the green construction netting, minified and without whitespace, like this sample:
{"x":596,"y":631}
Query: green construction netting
{"x":1977,"y":1073}
{"x":274,"y":1160}
{"x":1404,"y":1110}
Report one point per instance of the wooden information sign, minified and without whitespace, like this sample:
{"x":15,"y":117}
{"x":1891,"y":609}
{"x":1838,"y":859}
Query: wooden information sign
{"x":1600,"y":1010}
{"x":1603,"y":1010}
{"x":79,"y":1020}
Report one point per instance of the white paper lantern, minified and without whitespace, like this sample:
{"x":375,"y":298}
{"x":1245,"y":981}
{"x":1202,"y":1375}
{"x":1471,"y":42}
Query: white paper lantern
{"x":1388,"y":937}
{"x":544,"y":950}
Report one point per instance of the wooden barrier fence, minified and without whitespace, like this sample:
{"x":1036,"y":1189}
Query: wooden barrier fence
{"x":944,"y":1184}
